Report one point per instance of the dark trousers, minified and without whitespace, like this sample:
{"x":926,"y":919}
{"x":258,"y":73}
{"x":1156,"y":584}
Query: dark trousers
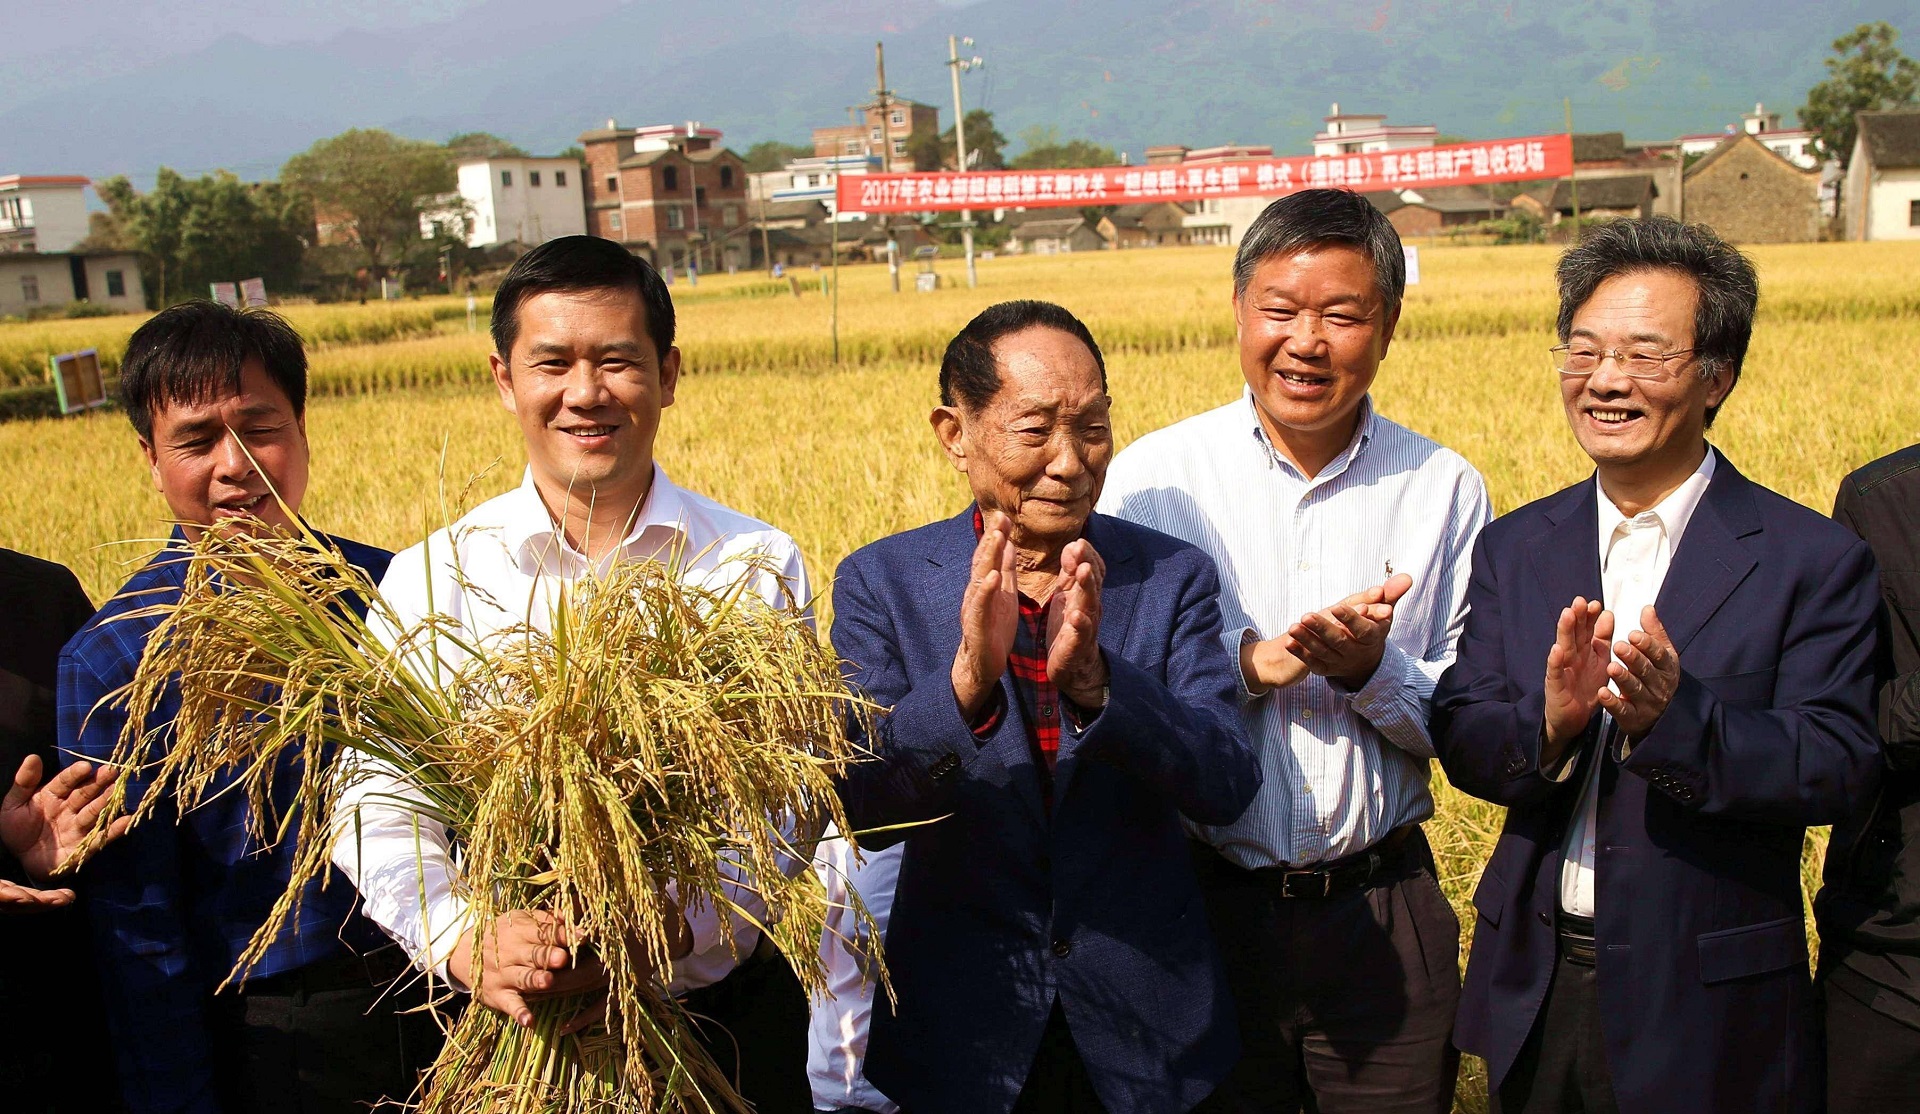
{"x":55,"y":1052}
{"x":1345,"y":1003}
{"x":330,"y":1038}
{"x":1058,"y":1082}
{"x":1873,"y":1059}
{"x":1562,"y":1068}
{"x":754,"y":1024}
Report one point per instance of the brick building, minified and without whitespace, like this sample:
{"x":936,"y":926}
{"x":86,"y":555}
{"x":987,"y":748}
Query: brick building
{"x":1749,"y":193}
{"x":669,"y":193}
{"x":1430,"y":210}
{"x":881,"y":134}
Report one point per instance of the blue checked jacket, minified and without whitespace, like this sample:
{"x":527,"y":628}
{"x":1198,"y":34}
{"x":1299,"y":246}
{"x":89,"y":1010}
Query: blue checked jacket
{"x":173,"y":904}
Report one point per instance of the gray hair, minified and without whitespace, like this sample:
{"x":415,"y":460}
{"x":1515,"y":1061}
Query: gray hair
{"x":1729,"y":290}
{"x":1312,"y":218}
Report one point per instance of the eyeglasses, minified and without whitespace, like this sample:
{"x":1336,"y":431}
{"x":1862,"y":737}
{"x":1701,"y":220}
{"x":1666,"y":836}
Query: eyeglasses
{"x":1574,"y":361}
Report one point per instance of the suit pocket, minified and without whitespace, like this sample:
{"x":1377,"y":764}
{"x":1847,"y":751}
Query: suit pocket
{"x":1490,"y":896}
{"x":1743,"y":690}
{"x":1753,"y":949}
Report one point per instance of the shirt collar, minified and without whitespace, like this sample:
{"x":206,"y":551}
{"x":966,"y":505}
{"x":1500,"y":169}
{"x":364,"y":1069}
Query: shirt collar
{"x":1362,"y":436}
{"x":1673,"y":513}
{"x":528,"y":529}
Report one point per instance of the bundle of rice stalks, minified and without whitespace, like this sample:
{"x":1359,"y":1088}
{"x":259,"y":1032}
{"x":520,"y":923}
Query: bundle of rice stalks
{"x":653,"y":735}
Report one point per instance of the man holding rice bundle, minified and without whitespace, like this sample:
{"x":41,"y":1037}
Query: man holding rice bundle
{"x":217,"y":397}
{"x":585,"y":361}
{"x":1058,"y":695}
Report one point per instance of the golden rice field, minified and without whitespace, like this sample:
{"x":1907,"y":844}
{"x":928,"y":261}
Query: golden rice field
{"x":840,"y":455}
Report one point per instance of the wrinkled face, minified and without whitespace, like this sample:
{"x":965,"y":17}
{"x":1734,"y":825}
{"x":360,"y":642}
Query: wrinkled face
{"x":1626,"y":422}
{"x":1039,"y":449}
{"x":219,"y":462}
{"x":1312,"y":329}
{"x":587,"y":386}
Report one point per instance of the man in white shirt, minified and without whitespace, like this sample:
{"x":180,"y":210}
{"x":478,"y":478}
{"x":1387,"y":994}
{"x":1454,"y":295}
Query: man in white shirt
{"x":837,"y":1036}
{"x":1640,"y":943}
{"x":1342,"y":540}
{"x":584,"y":359}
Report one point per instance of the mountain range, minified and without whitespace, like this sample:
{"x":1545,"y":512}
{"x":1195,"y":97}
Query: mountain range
{"x":1124,"y":73}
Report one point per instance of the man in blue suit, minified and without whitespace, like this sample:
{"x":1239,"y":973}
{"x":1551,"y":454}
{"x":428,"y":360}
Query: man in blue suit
{"x":1056,"y":696}
{"x":1666,"y":677}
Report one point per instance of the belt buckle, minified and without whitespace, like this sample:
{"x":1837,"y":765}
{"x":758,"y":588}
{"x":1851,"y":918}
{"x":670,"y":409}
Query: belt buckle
{"x":1323,"y":878}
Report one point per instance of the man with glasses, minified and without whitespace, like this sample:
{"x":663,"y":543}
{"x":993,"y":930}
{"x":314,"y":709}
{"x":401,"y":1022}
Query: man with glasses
{"x":1666,"y":677}
{"x":1342,"y":540}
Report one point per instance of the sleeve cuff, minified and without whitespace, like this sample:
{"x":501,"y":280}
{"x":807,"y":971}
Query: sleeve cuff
{"x":1234,"y":639}
{"x":1383,"y":689}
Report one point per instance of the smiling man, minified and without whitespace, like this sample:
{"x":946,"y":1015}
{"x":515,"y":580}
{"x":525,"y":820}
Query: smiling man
{"x":584,"y":360}
{"x":218,"y":399}
{"x":1342,"y":540}
{"x":1666,"y":677}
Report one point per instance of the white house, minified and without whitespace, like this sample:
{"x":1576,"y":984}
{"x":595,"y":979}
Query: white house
{"x":34,"y":280}
{"x":1350,"y":133}
{"x":515,"y":200}
{"x":810,"y":179}
{"x":1883,"y":177}
{"x":1792,"y":144}
{"x":44,"y":213}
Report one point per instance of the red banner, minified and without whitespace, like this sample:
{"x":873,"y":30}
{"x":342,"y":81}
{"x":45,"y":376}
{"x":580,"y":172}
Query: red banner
{"x":1459,"y":164}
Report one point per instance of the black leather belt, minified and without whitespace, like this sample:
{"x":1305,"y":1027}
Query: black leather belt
{"x":1340,"y":876}
{"x":1576,"y":939}
{"x":343,"y":972}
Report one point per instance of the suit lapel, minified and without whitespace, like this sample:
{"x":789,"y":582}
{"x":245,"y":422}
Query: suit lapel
{"x":949,"y":568}
{"x":1711,"y":561}
{"x":1566,"y":559}
{"x":1119,"y":599}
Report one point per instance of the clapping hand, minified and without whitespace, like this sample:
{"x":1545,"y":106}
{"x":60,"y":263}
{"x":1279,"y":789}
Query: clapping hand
{"x":1074,"y":661}
{"x":1646,"y":675}
{"x":41,"y":825}
{"x":1345,"y":642}
{"x":989,"y":617}
{"x":1577,"y":672}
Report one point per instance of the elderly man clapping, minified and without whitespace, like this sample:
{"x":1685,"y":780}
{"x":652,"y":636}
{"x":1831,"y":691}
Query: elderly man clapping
{"x":1057,"y":695}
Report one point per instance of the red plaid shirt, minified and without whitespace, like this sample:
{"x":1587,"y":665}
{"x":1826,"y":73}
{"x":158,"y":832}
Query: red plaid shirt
{"x":1040,"y":701}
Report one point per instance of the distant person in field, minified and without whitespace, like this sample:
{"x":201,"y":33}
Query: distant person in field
{"x":1869,"y":909}
{"x":217,"y":398}
{"x":584,"y":360}
{"x":1057,"y":696}
{"x":1342,"y":539}
{"x":1666,"y":677}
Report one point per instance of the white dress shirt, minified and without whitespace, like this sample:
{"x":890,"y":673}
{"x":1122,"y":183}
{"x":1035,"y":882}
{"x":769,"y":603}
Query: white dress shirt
{"x":1342,"y":767}
{"x":837,"y":1029}
{"x":503,"y":565}
{"x":1635,"y":554}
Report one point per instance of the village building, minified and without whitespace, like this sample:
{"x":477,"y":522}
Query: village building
{"x":1054,"y":236}
{"x":670,"y":193}
{"x":1351,"y":133}
{"x":1883,"y":177}
{"x":47,"y":280}
{"x":1431,"y":210}
{"x":878,"y":133}
{"x":1150,"y":224}
{"x":1792,"y":144}
{"x":1617,"y":195}
{"x":42,"y":212}
{"x":511,"y":200}
{"x":1749,"y":193}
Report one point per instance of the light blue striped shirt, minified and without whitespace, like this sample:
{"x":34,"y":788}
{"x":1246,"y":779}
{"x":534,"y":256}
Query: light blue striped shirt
{"x":1343,"y":768}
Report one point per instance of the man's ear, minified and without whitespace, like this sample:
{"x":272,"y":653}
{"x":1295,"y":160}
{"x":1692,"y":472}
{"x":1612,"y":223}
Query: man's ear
{"x":502,"y":380}
{"x":1719,"y":385}
{"x":1391,"y":322}
{"x":669,"y":375}
{"x":951,"y":428}
{"x":153,"y":463}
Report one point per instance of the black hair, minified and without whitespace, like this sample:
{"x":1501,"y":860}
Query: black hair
{"x":580,"y":263}
{"x":1729,"y":290}
{"x":970,"y":373}
{"x":192,"y":352}
{"x":1313,"y":218}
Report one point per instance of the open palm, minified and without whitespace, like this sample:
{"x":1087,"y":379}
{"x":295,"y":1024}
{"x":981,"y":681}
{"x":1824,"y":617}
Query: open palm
{"x":1577,"y":669}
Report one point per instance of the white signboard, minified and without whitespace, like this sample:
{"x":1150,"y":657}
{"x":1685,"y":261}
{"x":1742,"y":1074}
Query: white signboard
{"x":1413,"y":266}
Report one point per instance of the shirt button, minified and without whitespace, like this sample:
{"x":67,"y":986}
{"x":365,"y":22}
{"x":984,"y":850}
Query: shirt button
{"x":1062,"y":949}
{"x":1046,"y":711}
{"x":1303,"y":566}
{"x":1306,"y":789}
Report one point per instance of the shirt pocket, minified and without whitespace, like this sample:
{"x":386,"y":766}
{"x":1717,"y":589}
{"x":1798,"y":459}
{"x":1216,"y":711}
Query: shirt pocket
{"x":1754,"y":949}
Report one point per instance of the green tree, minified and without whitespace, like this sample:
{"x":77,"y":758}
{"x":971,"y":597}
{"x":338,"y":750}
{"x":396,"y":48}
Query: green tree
{"x":483,"y":145}
{"x":191,"y":232}
{"x":373,"y":184}
{"x":927,"y":150}
{"x":771,"y":154}
{"x":1045,"y":150}
{"x":986,"y":147}
{"x":576,"y":152}
{"x":1866,"y":73}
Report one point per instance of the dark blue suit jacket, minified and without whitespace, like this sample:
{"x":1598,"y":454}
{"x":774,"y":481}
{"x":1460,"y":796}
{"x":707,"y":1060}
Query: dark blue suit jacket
{"x":1702,"y":952}
{"x":1001,"y":909}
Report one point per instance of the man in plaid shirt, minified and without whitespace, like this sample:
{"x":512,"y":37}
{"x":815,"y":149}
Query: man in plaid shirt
{"x":217,"y":397}
{"x":1056,"y":696}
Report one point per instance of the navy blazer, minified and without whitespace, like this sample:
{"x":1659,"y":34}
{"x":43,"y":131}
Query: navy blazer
{"x":1001,"y":909}
{"x":1702,"y":954}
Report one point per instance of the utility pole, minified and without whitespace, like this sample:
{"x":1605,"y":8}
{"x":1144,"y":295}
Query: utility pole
{"x":883,"y":101}
{"x":833,"y":309}
{"x":958,"y":66}
{"x":1573,"y":172}
{"x":765,"y":250}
